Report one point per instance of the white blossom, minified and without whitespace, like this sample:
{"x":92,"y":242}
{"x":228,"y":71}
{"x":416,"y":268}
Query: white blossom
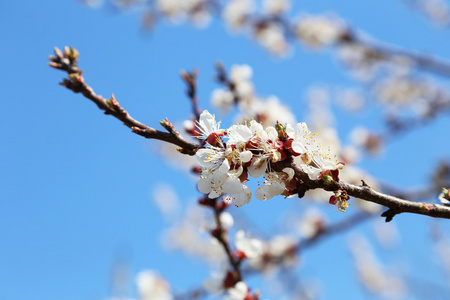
{"x":275,"y":184}
{"x":250,"y":246}
{"x":222,"y":99}
{"x":152,"y":287}
{"x":238,"y":292}
{"x":319,"y":31}
{"x":272,"y":37}
{"x":235,"y":12}
{"x":276,"y":7}
{"x":207,"y":125}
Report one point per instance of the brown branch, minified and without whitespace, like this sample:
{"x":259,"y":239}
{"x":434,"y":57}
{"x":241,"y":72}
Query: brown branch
{"x":395,"y":205}
{"x":67,"y":62}
{"x":191,"y":80}
{"x":220,"y":235}
{"x":392,"y":53}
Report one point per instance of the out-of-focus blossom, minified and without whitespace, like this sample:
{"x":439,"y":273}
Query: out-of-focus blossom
{"x":152,"y":287}
{"x":368,"y":141}
{"x":437,"y":10}
{"x":238,"y":292}
{"x":272,"y":37}
{"x":250,"y":246}
{"x":270,"y":110}
{"x":226,"y":219}
{"x":222,"y":99}
{"x":188,"y":236}
{"x":93,"y":3}
{"x":402,"y":90}
{"x":278,"y":251}
{"x":319,"y":31}
{"x":387,"y":235}
{"x":350,"y":99}
{"x":311,"y":224}
{"x":236,"y":12}
{"x":276,"y":7}
{"x":214,"y":284}
{"x":166,"y":199}
{"x":372,"y":275}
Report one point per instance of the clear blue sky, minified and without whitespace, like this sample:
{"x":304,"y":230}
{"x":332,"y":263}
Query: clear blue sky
{"x":75,"y":185}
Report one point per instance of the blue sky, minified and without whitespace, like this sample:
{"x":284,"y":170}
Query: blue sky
{"x":75,"y":189}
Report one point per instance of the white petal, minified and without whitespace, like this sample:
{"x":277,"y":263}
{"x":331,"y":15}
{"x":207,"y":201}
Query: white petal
{"x":226,"y":219}
{"x":258,"y":167}
{"x":207,"y":122}
{"x":302,"y":129}
{"x":298,"y":147}
{"x":204,"y":185}
{"x":272,"y":133}
{"x":250,"y":246}
{"x":215,"y":194}
{"x":232,"y":186}
{"x":267,"y":192}
{"x":290,"y":172}
{"x":242,"y":198}
{"x":246,"y":156}
{"x":262,"y":193}
{"x":239,"y":133}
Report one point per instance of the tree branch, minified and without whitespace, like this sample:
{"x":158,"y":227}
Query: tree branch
{"x":67,"y":61}
{"x":395,"y":205}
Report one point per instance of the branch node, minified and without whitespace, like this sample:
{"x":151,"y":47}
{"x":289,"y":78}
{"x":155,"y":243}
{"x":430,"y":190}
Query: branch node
{"x":389,"y":214}
{"x":364,"y":184}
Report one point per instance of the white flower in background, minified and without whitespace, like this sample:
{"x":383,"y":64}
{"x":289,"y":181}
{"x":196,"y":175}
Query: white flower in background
{"x":367,"y":140}
{"x":250,"y":246}
{"x":437,"y":10}
{"x":152,"y":287}
{"x":93,"y":3}
{"x":172,"y":9}
{"x":226,"y":219}
{"x":214,"y":284}
{"x":401,"y":90}
{"x":166,"y":200}
{"x":272,"y":38}
{"x":276,"y":7}
{"x":375,"y":277}
{"x":319,"y":31}
{"x":240,"y":75}
{"x":188,"y":236}
{"x":223,"y":99}
{"x":238,"y":292}
{"x":311,"y":223}
{"x":198,"y":12}
{"x":235,"y":12}
{"x":271,"y":110}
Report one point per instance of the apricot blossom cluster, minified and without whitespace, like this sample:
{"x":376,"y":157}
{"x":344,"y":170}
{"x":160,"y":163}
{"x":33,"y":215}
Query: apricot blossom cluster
{"x":230,"y":155}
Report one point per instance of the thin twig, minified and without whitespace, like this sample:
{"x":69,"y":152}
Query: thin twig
{"x":76,"y":82}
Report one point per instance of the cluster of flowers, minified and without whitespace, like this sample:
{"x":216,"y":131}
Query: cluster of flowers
{"x":253,"y":150}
